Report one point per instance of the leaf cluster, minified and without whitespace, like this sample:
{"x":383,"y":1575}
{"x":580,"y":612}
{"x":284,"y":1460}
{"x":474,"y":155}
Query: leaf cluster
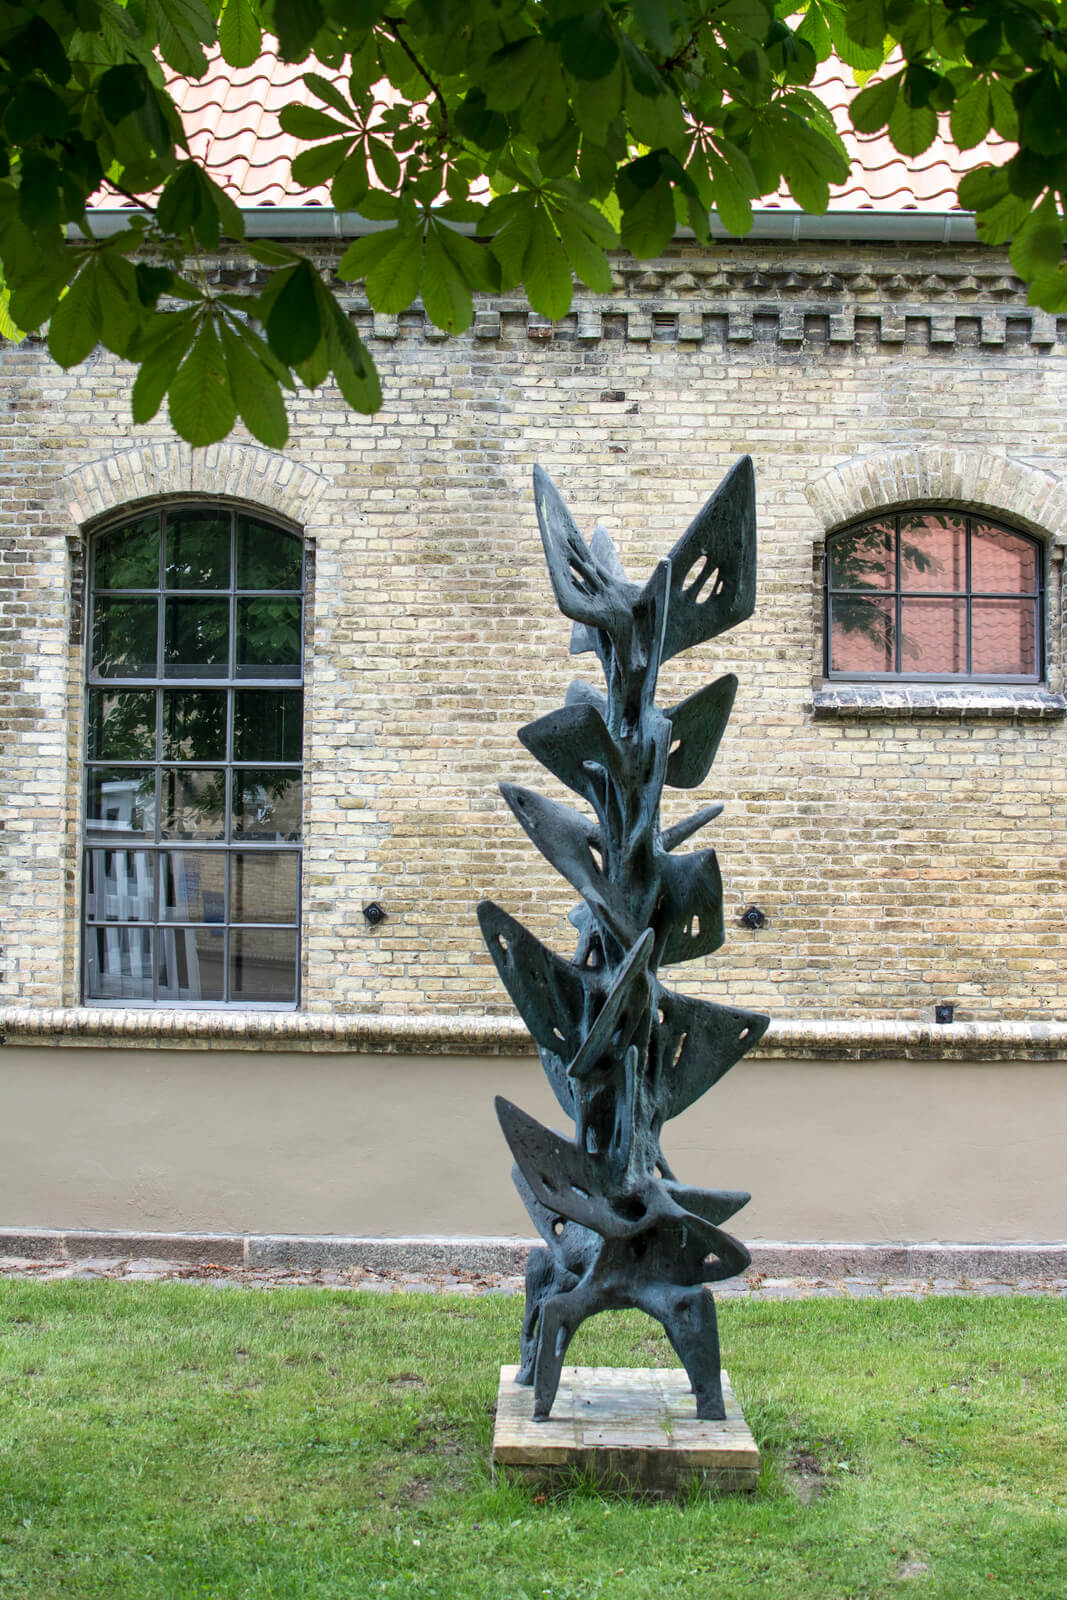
{"x":493,"y":145}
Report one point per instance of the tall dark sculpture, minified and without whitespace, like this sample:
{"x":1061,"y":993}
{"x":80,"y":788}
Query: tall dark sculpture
{"x":623,"y":1053}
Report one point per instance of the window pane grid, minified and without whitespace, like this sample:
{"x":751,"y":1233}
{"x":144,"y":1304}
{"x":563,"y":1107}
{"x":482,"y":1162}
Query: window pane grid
{"x":200,"y":793}
{"x":867,"y":627}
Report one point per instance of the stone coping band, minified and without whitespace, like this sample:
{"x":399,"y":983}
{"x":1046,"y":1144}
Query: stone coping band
{"x":434,"y":1034}
{"x":1003,"y":1262}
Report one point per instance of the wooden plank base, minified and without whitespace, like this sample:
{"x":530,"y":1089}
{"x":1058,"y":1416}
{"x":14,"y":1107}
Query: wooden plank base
{"x":629,"y":1428}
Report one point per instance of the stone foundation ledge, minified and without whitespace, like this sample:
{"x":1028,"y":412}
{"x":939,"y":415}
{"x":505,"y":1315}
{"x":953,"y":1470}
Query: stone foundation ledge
{"x":999,"y":1262}
{"x":789,"y":1038}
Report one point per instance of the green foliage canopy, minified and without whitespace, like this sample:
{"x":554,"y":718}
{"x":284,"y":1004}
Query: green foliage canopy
{"x":494,"y":142}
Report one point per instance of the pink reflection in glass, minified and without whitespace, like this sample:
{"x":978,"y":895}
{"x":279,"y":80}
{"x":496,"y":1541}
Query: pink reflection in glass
{"x":1002,"y":563}
{"x":864,"y":558}
{"x":861,"y":634}
{"x":933,"y":551}
{"x":1004,"y":638}
{"x":933,"y":636}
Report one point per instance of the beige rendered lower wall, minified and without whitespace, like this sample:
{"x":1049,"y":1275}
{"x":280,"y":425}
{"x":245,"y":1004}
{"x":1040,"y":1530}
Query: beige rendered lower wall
{"x":359,"y":1144}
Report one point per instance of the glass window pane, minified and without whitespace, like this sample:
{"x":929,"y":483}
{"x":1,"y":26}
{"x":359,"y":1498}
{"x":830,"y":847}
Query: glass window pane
{"x":263,"y":887}
{"x":192,"y":886}
{"x":118,"y":963}
{"x":1004,"y":637}
{"x":268,"y":638}
{"x":122,"y":725}
{"x":124,"y":638}
{"x":128,"y":557}
{"x":268,"y":724}
{"x":121,"y":801}
{"x":194,"y":725}
{"x":263,"y":964}
{"x":933,"y":636}
{"x":1002,"y":563}
{"x":119,"y":885}
{"x":191,"y":964}
{"x":861,"y":634}
{"x":933,"y":551}
{"x":198,"y":639}
{"x":267,"y":557}
{"x":193,"y":804}
{"x":198,"y":549}
{"x":266,"y":804}
{"x":864,"y":558}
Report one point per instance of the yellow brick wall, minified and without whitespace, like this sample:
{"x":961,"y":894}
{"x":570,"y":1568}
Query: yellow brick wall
{"x":899,"y":862}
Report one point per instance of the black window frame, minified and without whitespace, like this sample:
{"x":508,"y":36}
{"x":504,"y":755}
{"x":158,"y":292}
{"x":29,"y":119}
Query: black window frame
{"x":968,"y":594}
{"x":231,"y":681}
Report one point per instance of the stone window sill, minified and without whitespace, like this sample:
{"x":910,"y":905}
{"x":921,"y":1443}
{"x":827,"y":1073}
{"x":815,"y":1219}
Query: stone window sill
{"x":870,"y":702}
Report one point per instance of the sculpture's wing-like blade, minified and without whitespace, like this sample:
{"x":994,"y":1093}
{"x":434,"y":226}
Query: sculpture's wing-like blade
{"x":602,"y":549}
{"x":561,"y":1176}
{"x":548,"y":992}
{"x":574,"y":1245}
{"x":565,"y":740}
{"x":697,"y":725}
{"x":615,"y":1024}
{"x":713,"y":581}
{"x":696,"y":1043}
{"x":690,"y":913}
{"x":585,"y":586}
{"x":711,"y":1205}
{"x":565,"y":838}
{"x":555,"y":1070}
{"x":681,"y":831}
{"x":580,"y":693}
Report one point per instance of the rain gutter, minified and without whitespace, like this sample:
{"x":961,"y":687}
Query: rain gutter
{"x":323,"y":222}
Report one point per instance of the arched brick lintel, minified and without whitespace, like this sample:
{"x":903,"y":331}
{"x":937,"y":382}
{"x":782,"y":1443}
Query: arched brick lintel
{"x":261,"y":477}
{"x":975,"y":479}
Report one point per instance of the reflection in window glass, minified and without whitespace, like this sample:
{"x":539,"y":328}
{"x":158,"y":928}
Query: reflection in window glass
{"x":124,"y":637}
{"x":128,"y":557}
{"x":951,"y":605}
{"x":194,"y":725}
{"x":180,"y":773}
{"x":122,"y":725}
{"x":263,"y":964}
{"x":266,"y":804}
{"x":267,"y":557}
{"x":198,"y":638}
{"x":268,"y":638}
{"x":198,"y":550}
{"x":268,"y":724}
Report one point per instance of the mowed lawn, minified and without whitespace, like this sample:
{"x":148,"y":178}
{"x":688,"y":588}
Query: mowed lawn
{"x":170,"y":1439}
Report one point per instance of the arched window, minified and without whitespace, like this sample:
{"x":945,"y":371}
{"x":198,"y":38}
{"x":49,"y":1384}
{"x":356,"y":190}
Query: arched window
{"x":193,"y":774}
{"x":934,"y":594}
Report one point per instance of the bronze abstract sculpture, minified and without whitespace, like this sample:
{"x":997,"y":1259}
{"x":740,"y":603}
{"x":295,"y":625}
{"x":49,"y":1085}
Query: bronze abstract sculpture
{"x":623,"y":1053}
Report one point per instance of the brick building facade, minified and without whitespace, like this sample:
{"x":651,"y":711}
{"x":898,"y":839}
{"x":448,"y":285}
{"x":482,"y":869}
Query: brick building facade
{"x":902,"y":838}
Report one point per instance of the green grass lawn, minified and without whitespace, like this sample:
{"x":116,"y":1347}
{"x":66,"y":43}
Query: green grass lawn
{"x":169,"y":1440}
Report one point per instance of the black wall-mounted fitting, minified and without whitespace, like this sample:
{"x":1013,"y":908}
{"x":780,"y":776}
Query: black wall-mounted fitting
{"x":374,"y":914}
{"x":944,"y":1011}
{"x":752,"y":918}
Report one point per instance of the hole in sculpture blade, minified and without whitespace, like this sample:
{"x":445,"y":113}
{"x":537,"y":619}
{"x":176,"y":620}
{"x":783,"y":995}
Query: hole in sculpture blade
{"x":561,"y":1341}
{"x":680,"y":1047}
{"x":695,"y":927}
{"x":502,"y":942}
{"x":743,"y":1034}
{"x":557,"y":1226}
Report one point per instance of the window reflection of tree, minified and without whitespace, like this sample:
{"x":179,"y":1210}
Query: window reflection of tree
{"x":859,"y":557}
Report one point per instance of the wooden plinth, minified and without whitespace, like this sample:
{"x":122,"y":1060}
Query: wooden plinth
{"x":627,"y":1428}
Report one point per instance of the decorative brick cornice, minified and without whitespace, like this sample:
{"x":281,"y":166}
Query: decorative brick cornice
{"x":433,"y":1034}
{"x":978,"y":479}
{"x":262,"y":477}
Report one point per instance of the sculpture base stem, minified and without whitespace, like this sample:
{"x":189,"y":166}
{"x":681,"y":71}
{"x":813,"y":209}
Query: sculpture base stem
{"x":631,"y":1429}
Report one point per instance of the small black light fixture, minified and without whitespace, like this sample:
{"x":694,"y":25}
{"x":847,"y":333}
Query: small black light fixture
{"x":374,"y":913}
{"x":944,"y":1011}
{"x":752,"y":918}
